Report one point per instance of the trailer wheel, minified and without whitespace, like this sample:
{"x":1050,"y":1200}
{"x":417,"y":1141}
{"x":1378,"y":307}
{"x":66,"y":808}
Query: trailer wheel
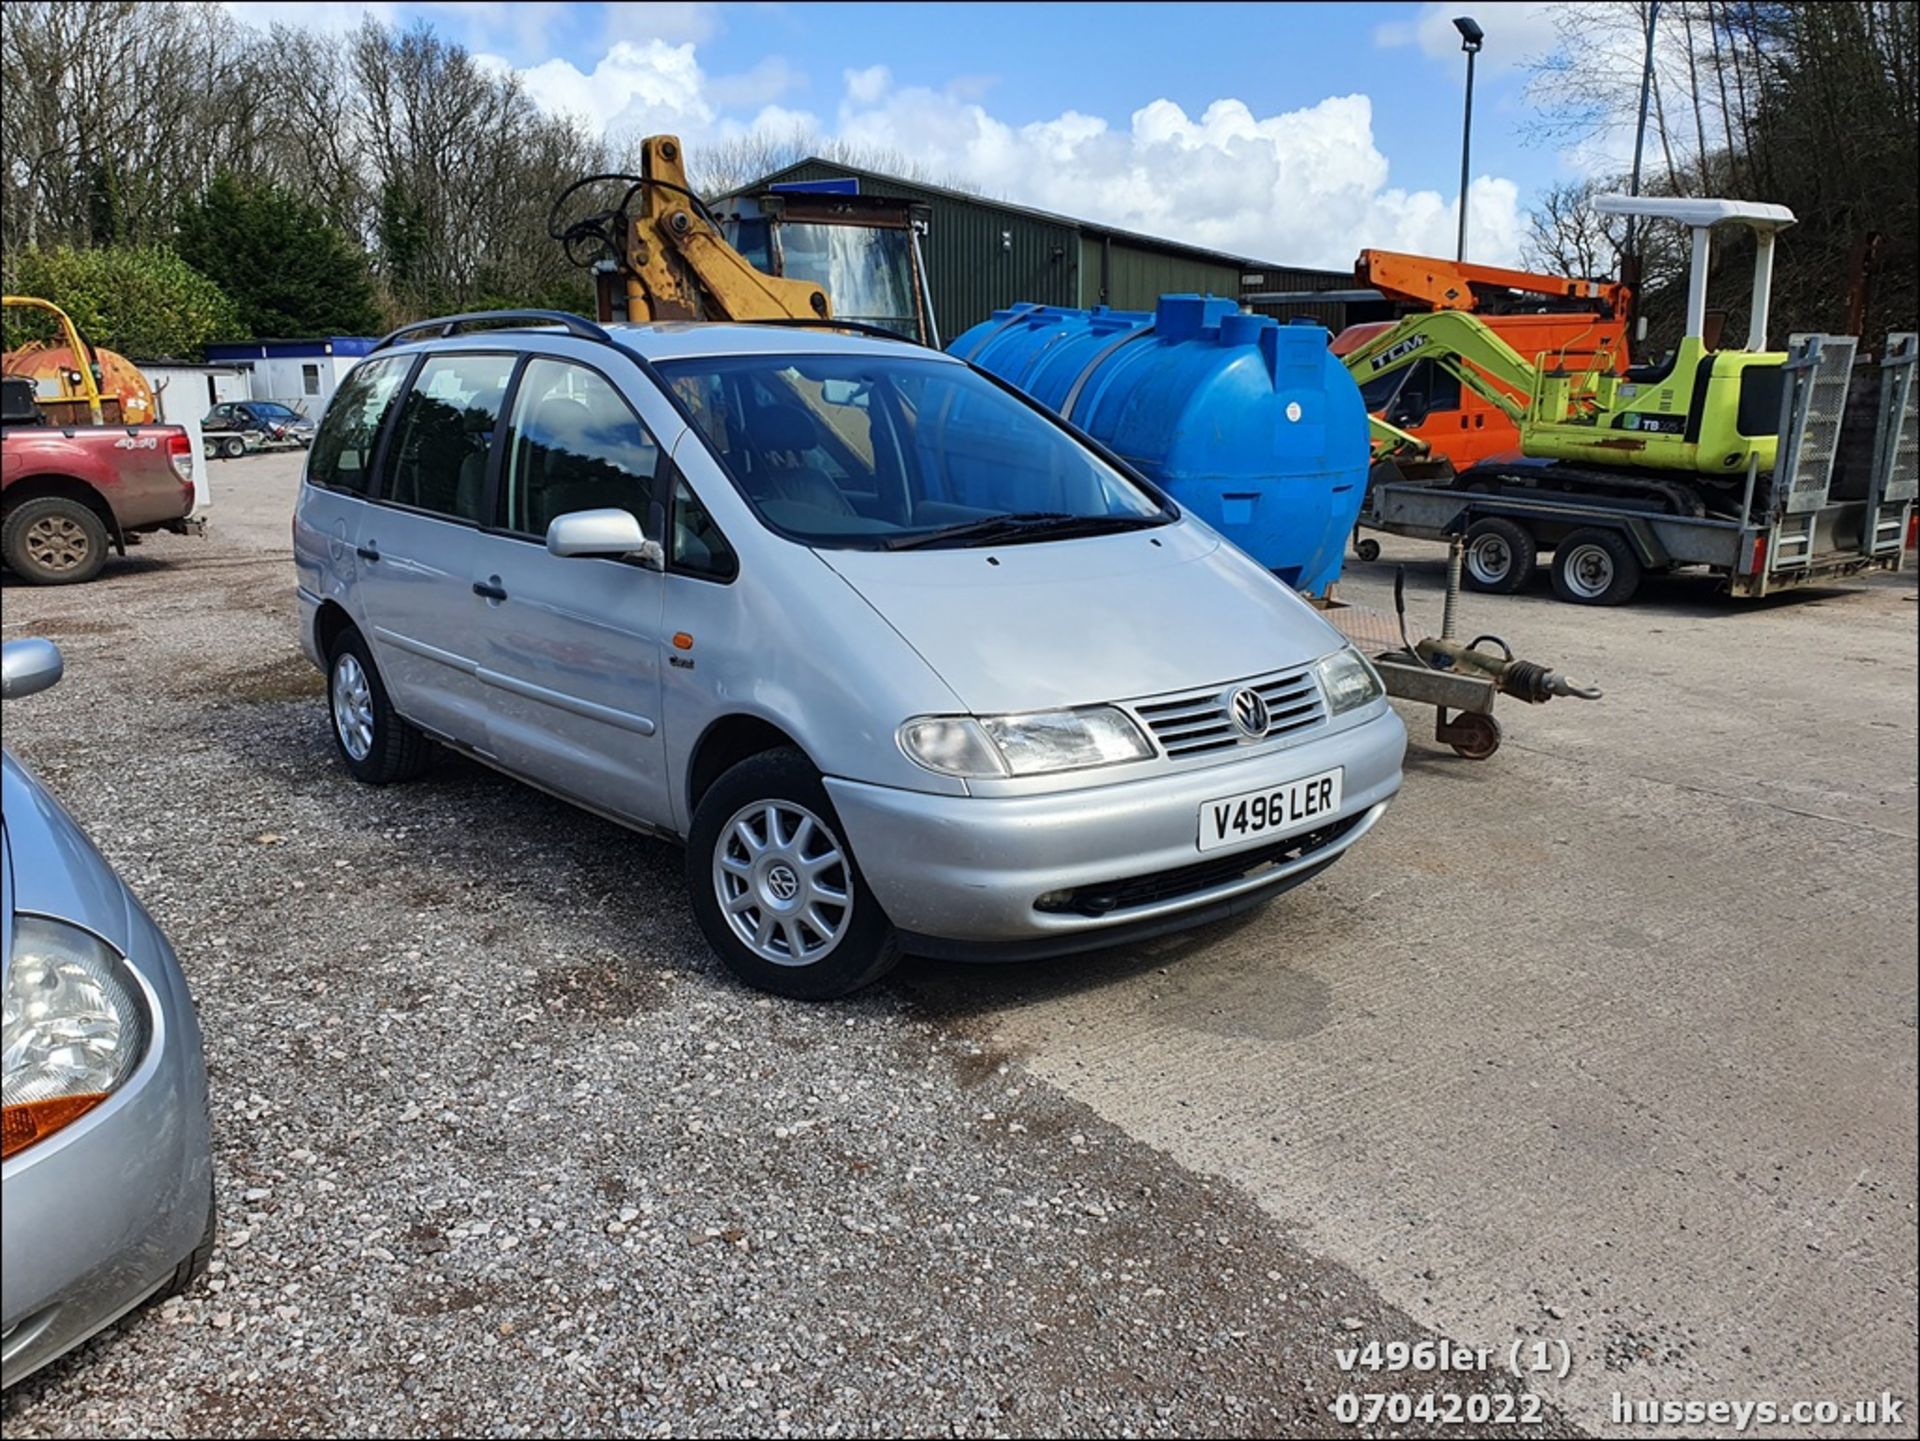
{"x":1595,"y":567}
{"x":1473,"y":736}
{"x":1500,"y":556}
{"x":1368,"y":550}
{"x":232,"y":447}
{"x":209,"y":449}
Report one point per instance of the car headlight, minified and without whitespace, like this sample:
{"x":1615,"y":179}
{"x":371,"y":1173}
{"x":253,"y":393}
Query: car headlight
{"x":74,"y":1028}
{"x":1023,"y":745}
{"x":1349,"y":680}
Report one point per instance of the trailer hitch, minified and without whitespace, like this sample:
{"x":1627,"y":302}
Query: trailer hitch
{"x":1522,"y":679}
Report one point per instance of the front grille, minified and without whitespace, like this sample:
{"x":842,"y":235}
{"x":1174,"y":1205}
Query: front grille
{"x":1105,"y":897}
{"x":1200,"y":721}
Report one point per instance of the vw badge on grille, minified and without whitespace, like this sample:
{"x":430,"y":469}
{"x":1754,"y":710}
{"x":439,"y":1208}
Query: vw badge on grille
{"x":1249,"y":712}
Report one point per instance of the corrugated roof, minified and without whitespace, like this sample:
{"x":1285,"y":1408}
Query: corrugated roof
{"x":1088,"y":227}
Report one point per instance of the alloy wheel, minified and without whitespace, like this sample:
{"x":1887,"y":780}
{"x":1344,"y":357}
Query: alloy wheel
{"x":352,"y":706}
{"x":784,"y":882}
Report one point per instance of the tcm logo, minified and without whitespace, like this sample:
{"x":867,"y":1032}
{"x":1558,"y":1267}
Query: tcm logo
{"x":1405,"y":347}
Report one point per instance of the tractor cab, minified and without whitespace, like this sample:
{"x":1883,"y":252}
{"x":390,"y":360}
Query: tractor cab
{"x":863,"y":250}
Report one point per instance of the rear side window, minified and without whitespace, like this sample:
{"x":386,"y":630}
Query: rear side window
{"x":576,"y":445}
{"x":342,"y":454}
{"x":438,"y":459}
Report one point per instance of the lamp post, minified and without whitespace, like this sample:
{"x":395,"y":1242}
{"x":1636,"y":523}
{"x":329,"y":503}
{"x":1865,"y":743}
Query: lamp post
{"x":1471,"y":36}
{"x":1640,"y":130}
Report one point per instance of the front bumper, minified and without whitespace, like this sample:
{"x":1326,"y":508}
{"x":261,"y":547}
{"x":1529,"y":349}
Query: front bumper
{"x":99,"y":1216}
{"x":962,"y":874}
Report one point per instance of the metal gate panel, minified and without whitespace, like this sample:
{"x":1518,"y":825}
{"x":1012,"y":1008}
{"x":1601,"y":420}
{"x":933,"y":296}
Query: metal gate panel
{"x":1813,"y":403}
{"x":1896,"y":449}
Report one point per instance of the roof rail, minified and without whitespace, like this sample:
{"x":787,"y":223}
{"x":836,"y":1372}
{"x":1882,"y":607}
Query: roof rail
{"x":829,"y":322}
{"x":445,"y":325}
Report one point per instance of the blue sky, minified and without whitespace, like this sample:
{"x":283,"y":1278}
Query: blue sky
{"x":1293,"y":132}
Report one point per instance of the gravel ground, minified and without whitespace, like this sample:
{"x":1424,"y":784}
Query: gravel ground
{"x":500,"y":1150}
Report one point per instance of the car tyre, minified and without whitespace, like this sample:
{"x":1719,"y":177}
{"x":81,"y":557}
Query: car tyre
{"x":52,"y":540}
{"x":765,"y":858}
{"x":377,"y":743}
{"x":1595,"y":567}
{"x":194,"y":1266}
{"x":1500,"y":557}
{"x":232,"y":447}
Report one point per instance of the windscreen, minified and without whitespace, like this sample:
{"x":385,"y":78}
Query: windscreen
{"x":867,"y":273}
{"x":883,"y":451}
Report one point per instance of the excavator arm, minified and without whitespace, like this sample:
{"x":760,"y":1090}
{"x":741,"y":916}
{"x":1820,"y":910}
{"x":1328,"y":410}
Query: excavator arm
{"x":671,"y":257}
{"x":1459,"y":343}
{"x":1459,"y":285}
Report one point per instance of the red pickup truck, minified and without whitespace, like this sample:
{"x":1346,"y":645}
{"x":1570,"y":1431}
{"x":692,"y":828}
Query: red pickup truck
{"x":69,"y":493}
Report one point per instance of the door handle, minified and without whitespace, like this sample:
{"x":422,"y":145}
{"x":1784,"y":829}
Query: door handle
{"x":366,"y":553}
{"x":490,"y":588}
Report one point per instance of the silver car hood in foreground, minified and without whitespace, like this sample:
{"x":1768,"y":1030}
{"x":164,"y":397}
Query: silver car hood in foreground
{"x":1077,"y":622}
{"x":55,"y":870}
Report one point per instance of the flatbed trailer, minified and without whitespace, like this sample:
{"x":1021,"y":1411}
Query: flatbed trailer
{"x":1800,"y":528}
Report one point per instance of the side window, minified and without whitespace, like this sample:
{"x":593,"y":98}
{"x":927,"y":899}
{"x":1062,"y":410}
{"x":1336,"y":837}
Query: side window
{"x":696,"y":546}
{"x":438,"y":459}
{"x":1429,"y":388}
{"x":575,"y":445}
{"x":310,"y":379}
{"x":342,"y":454}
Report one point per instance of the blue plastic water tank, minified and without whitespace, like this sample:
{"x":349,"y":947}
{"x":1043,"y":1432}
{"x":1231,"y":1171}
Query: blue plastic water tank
{"x":1252,"y":425}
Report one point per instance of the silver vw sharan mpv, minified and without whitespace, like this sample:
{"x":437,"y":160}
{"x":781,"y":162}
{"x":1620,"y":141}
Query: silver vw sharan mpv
{"x":906,"y":663}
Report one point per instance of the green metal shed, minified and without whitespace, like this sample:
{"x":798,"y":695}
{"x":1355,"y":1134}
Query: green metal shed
{"x":983,"y":255}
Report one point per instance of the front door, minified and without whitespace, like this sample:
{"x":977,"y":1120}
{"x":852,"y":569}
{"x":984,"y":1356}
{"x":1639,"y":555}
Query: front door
{"x":570,"y":648}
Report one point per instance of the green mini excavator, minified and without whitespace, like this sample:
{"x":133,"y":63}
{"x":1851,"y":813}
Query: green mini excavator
{"x":1701,"y":414}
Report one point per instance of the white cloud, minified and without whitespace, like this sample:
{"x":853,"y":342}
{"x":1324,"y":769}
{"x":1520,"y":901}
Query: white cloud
{"x":1517,"y":30}
{"x":636,"y":87}
{"x":866,"y":86}
{"x":1304,"y":187}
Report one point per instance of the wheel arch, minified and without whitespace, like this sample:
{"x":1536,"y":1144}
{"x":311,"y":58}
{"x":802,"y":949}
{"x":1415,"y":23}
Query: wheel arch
{"x":328,"y":622}
{"x":726,"y":742}
{"x":64,"y":487}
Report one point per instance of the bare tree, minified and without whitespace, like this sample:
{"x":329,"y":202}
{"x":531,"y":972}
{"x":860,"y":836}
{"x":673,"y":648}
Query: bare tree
{"x":739,"y":161}
{"x":1567,"y":236}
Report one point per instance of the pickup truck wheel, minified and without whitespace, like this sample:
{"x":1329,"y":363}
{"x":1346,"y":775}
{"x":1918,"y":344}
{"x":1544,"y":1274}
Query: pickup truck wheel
{"x":775,"y":887}
{"x":377,"y":743}
{"x":1500,"y":557}
{"x":54,"y":541}
{"x":1595,"y":567}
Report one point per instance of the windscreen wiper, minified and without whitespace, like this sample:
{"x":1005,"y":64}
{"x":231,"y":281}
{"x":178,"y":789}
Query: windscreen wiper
{"x":1021,"y":525}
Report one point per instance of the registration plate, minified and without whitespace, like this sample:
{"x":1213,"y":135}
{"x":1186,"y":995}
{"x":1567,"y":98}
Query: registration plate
{"x":1271,"y":813}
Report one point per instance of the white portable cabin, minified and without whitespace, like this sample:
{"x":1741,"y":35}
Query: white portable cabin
{"x":302,"y":374}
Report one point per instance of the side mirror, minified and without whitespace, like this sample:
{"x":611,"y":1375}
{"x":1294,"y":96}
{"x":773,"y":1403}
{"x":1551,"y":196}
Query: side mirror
{"x":611,"y":532}
{"x":28,"y":667}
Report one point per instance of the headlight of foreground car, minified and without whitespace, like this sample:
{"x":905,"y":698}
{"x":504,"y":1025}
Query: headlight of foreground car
{"x":1349,"y":680}
{"x":74,"y":1027}
{"x":1023,"y":745}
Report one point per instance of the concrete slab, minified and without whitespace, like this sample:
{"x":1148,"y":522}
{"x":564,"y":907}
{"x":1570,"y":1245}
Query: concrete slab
{"x":1609,"y":1039}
